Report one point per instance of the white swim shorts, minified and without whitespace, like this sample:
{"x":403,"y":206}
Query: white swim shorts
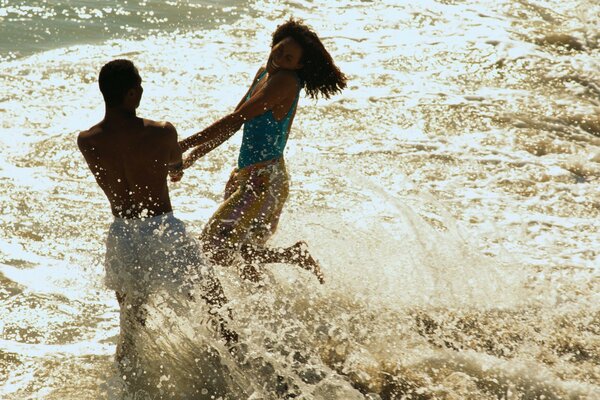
{"x":144,"y":255}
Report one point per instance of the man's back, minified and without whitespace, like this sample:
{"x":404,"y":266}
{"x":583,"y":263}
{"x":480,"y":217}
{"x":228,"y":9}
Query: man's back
{"x":129,"y":158}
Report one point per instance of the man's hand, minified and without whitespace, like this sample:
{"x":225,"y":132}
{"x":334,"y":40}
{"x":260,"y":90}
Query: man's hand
{"x":176,"y":172}
{"x":176,"y":175}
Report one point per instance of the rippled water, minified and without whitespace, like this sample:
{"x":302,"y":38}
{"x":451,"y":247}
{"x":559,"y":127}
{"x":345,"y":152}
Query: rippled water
{"x":451,"y":193}
{"x":29,"y":26}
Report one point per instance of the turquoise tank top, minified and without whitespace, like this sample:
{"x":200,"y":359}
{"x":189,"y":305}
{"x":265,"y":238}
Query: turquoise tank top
{"x":264,"y":137}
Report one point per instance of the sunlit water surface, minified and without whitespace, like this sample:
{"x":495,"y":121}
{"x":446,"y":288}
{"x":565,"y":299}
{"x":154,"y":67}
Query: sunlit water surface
{"x":451,"y":194}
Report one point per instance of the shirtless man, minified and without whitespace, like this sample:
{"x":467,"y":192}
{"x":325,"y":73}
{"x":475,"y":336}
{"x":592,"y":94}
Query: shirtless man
{"x":147,"y":247}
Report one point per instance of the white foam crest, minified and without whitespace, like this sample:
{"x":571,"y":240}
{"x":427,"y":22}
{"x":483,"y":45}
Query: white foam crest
{"x":35,"y":350}
{"x":50,"y":278}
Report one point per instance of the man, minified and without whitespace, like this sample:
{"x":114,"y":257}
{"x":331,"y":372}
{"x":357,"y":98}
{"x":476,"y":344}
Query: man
{"x":147,"y":247}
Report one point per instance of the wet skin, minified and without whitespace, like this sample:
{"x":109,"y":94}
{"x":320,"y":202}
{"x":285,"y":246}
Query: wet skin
{"x":130,"y":157}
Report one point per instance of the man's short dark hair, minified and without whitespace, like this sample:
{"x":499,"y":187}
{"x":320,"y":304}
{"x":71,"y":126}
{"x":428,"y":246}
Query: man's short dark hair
{"x":116,"y":78}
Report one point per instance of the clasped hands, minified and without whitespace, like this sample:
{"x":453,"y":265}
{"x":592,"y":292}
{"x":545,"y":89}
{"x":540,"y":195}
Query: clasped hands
{"x":176,"y":171}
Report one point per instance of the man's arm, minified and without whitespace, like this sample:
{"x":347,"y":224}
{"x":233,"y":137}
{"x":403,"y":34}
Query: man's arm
{"x":84,"y":142}
{"x":280,"y":87}
{"x":175,"y":165}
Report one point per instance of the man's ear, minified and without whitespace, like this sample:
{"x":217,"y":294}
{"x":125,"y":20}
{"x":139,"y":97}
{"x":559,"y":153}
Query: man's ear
{"x":130,"y":93}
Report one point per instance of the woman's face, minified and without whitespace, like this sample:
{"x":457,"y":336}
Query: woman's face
{"x":285,"y":55}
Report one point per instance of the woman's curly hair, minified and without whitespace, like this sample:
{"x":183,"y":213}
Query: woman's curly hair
{"x":318,"y":74}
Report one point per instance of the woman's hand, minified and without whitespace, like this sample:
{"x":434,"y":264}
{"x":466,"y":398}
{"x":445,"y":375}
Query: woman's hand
{"x":188,"y":161}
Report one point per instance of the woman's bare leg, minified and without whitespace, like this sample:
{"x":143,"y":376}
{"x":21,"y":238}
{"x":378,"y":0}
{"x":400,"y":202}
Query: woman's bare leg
{"x":296,"y":255}
{"x":244,"y":222}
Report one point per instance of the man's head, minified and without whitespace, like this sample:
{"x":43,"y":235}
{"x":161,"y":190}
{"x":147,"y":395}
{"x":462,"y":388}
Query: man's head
{"x":120,"y":84}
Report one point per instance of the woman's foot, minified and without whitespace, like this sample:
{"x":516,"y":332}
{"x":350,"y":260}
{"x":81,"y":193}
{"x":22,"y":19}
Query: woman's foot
{"x":303,"y":259}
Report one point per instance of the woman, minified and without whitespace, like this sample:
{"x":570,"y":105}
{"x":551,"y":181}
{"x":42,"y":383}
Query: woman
{"x":258,"y":187}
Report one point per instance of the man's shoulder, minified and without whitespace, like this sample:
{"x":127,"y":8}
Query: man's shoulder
{"x":159,"y":128}
{"x":89,"y":136}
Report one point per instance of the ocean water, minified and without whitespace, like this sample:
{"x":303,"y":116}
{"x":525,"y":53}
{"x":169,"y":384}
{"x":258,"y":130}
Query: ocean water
{"x":451,"y":193}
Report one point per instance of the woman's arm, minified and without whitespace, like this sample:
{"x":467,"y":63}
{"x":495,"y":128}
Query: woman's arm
{"x":210,"y":138}
{"x":278,"y":88}
{"x":254,"y":82}
{"x":197,"y":140}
